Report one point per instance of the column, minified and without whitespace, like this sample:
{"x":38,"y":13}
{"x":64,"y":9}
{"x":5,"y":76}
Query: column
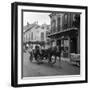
{"x":69,"y":47}
{"x":78,"y":42}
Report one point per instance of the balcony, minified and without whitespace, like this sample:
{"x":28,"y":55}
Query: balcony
{"x":68,"y":31}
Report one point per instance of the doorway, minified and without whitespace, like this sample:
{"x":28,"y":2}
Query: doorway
{"x":73,"y":45}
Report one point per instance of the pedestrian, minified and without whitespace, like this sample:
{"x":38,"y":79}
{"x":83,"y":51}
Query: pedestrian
{"x":30,"y":51}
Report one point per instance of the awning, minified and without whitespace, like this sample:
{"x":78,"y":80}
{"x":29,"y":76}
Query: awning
{"x":66,"y":32}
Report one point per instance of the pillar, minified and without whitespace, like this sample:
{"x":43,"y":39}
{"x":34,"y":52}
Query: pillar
{"x":69,"y":47}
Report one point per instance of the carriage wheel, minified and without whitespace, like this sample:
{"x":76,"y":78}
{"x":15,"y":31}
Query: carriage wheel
{"x":38,"y":59}
{"x":53,"y":60}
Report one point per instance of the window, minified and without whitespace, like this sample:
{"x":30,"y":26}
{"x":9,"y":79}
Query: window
{"x":32,"y":36}
{"x":47,"y":33}
{"x":42,"y":36}
{"x":76,"y":20}
{"x":65,"y":18}
{"x":69,"y":20}
{"x":26,"y":38}
{"x":58,"y":23}
{"x":47,"y":27}
{"x":54,"y":25}
{"x":42,"y":27}
{"x":65,"y":21}
{"x":29,"y":37}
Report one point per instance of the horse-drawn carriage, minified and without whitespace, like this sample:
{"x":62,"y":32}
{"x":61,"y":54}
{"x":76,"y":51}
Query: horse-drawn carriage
{"x":49,"y":54}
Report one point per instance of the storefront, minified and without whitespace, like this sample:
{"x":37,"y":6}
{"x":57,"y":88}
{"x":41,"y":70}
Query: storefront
{"x":68,"y":41}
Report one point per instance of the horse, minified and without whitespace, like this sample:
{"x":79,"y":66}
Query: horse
{"x":39,"y":54}
{"x":56,"y":52}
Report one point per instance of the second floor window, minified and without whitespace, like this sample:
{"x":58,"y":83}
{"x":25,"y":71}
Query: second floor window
{"x":54,"y":25}
{"x":26,"y":37}
{"x":42,"y":36}
{"x":65,"y":21}
{"x":76,"y":20}
{"x":32,"y":36}
{"x":58,"y":23}
{"x":29,"y":37}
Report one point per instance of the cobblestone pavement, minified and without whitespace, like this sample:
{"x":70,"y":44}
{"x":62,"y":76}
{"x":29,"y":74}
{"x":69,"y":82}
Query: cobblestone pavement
{"x":31,"y":69}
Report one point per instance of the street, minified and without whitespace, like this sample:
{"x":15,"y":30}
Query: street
{"x":31,"y":69}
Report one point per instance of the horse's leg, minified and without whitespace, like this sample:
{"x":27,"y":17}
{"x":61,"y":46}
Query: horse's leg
{"x":35,"y":57}
{"x":55,"y":58}
{"x":49,"y":58}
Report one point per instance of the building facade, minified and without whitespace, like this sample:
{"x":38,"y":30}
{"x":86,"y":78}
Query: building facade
{"x":36,"y":34}
{"x":65,"y":31}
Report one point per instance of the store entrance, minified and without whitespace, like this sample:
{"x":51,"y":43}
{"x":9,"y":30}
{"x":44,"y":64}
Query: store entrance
{"x":59,"y":42}
{"x":73,"y":45}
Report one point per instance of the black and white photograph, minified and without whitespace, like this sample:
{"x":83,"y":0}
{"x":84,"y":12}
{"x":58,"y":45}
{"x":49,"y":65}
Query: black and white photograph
{"x":51,"y":44}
